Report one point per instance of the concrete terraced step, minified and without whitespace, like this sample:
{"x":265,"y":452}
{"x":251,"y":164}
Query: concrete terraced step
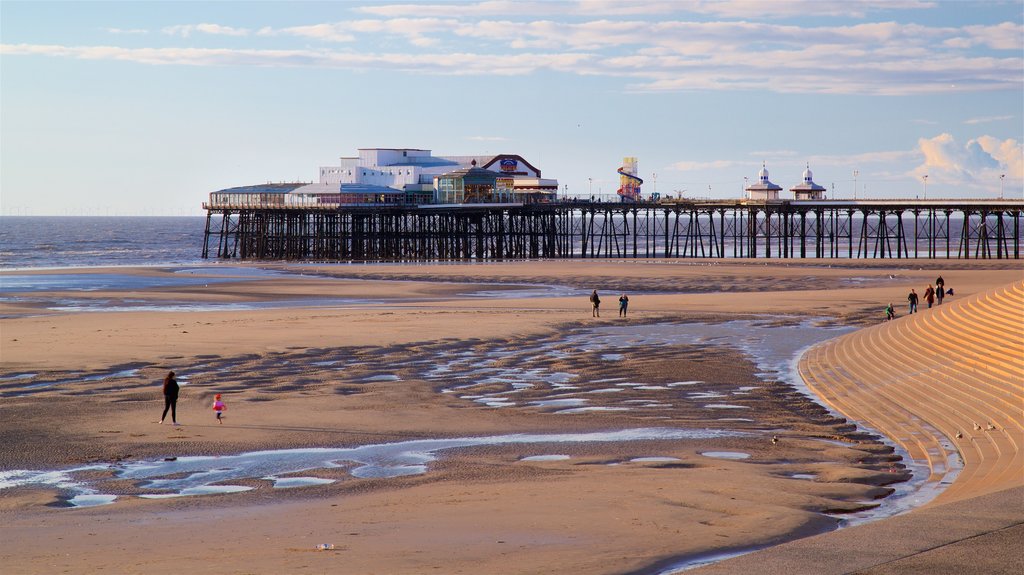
{"x":921,"y":390}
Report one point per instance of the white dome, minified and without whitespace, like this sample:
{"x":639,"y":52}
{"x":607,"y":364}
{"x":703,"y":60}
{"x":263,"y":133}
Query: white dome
{"x":763,"y":174}
{"x":808,"y":176}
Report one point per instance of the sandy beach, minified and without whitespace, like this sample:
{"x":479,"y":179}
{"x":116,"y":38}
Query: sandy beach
{"x":502,"y":428}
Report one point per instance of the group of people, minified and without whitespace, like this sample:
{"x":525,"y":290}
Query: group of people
{"x":931,"y":296}
{"x":595,"y":300}
{"x":171,"y":390}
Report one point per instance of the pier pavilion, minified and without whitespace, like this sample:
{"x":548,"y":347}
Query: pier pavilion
{"x":763,"y":189}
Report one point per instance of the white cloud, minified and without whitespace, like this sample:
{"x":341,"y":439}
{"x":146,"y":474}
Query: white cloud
{"x":723,"y":8}
{"x":322,"y":32}
{"x":413,"y":29}
{"x":975,"y":165}
{"x":987,"y":119}
{"x":463,"y":10}
{"x":1004,"y":36}
{"x":129,"y":31}
{"x":790,"y":8}
{"x":186,"y":30}
{"x":665,"y":55}
{"x":424,"y":63}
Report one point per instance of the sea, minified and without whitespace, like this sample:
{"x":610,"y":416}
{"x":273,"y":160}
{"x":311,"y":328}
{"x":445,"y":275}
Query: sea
{"x":32,"y":242}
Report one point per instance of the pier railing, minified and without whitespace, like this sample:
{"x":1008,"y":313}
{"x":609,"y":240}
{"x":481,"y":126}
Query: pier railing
{"x":255,"y":226}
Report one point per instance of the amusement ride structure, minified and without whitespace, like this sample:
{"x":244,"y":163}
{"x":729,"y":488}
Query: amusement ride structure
{"x":629,"y":182}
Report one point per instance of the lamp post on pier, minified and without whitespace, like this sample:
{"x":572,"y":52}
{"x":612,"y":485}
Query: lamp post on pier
{"x":1001,"y":178}
{"x":855,"y":174}
{"x":926,"y":186}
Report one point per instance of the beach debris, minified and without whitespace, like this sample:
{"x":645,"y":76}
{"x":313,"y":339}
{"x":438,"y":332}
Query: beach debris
{"x":976,"y":426}
{"x":990,"y":427}
{"x":325,"y":547}
{"x":775,"y":440}
{"x":959,"y":435}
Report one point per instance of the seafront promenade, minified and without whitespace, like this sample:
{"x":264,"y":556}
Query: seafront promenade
{"x":947,"y":378}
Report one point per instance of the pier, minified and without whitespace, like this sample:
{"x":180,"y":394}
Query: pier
{"x":267,"y":227}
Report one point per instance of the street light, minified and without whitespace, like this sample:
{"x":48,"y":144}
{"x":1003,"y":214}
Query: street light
{"x":1001,"y":178}
{"x":855,"y":174}
{"x":926,"y":186}
{"x":591,"y":180}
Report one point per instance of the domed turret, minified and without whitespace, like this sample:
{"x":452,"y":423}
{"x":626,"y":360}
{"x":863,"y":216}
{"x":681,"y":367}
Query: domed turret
{"x":763,"y":189}
{"x":808,"y":190}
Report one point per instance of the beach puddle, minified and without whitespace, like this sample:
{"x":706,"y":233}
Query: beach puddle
{"x":69,"y":379}
{"x":559,"y":403}
{"x":91,"y":500}
{"x":553,"y":457}
{"x":726,"y":454}
{"x":200,"y":490}
{"x":290,"y":482}
{"x":386,"y":377}
{"x":209,"y":475}
{"x":590,"y":409}
{"x":493,"y":373}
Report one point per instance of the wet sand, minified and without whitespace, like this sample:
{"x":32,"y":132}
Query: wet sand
{"x":83,"y":387}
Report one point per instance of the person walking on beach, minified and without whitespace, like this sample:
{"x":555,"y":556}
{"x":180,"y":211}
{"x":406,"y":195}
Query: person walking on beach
{"x":912,"y":298}
{"x":170,"y":398}
{"x":596,"y":301}
{"x":890,"y":313}
{"x":218,"y":408}
{"x":940,"y":283}
{"x":929,"y":296}
{"x":623,"y":304}
{"x":940,"y":291}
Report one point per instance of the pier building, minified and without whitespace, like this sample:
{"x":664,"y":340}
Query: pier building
{"x":764,"y":189}
{"x":410,"y":176}
{"x":808,"y":190}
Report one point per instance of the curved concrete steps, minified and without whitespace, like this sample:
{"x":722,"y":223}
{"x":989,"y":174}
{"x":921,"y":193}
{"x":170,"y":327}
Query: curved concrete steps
{"x":924,"y":378}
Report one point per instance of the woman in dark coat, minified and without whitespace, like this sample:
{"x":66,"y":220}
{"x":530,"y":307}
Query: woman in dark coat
{"x":170,"y":398}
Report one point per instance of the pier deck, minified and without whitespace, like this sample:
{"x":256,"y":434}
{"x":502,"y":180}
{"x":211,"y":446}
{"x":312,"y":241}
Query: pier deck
{"x":264,"y":226}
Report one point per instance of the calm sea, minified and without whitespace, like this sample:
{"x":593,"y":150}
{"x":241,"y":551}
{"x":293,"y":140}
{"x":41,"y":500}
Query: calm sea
{"x":55,"y":242}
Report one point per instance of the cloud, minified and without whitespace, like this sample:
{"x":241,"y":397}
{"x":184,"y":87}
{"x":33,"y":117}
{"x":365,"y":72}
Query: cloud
{"x":662,"y":54}
{"x":414,"y":30}
{"x":987,"y":119}
{"x":130,"y":31}
{"x":791,"y":8}
{"x":423,"y":63}
{"x":1004,"y":36}
{"x":186,"y":30}
{"x":322,"y":32}
{"x":601,"y":8}
{"x":487,"y":138}
{"x":975,"y":165}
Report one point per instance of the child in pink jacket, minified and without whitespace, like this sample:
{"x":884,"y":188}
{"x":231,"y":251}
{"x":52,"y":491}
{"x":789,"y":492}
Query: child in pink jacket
{"x":218,"y":408}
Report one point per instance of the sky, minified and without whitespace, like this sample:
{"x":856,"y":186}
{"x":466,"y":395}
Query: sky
{"x":144,"y":108}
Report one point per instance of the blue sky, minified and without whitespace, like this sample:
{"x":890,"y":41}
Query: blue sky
{"x":146,"y":107}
